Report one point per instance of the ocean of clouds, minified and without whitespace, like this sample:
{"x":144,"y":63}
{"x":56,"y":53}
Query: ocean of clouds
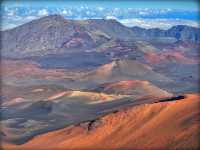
{"x":147,"y":18}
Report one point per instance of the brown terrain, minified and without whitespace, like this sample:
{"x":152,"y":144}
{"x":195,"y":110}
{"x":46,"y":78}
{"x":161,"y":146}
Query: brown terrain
{"x":173,"y":124}
{"x":164,"y":57}
{"x":138,"y":88}
{"x":116,"y":114}
{"x":97,"y":84}
{"x":24,"y":68}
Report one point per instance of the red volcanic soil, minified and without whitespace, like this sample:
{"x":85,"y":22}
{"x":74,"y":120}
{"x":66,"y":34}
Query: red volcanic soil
{"x":163,"y":125}
{"x":169,"y":56}
{"x":124,"y":69}
{"x":126,"y":84}
{"x":23,"y":68}
{"x":139,"y":88}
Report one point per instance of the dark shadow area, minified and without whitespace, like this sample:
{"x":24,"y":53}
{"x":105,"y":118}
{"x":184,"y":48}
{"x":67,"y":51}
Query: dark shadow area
{"x":179,"y":97}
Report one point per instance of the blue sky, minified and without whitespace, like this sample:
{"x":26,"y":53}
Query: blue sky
{"x":157,"y":4}
{"x":145,"y":13}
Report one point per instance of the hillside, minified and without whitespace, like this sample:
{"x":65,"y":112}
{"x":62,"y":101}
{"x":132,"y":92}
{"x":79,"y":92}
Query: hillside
{"x":179,"y":32}
{"x":137,"y":88}
{"x":55,"y":35}
{"x":123,"y":69}
{"x":157,"y":126}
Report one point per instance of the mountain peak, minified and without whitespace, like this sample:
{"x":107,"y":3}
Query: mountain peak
{"x":55,"y":16}
{"x":52,"y":18}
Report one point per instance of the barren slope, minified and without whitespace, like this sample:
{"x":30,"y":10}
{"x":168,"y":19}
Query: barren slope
{"x":172,"y":124}
{"x":137,"y":88}
{"x":124,"y":69}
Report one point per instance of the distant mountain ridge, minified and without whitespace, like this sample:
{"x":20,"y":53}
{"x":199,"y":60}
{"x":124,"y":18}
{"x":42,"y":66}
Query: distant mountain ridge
{"x":56,"y":35}
{"x":179,"y":32}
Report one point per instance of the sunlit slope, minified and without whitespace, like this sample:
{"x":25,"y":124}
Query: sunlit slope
{"x":124,"y":69}
{"x":137,"y":88}
{"x":172,"y":124}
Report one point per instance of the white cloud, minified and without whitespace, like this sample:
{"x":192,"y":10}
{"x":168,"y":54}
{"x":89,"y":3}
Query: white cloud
{"x":100,"y":8}
{"x":111,"y":17}
{"x":11,"y":22}
{"x":64,"y":12}
{"x":43,"y":12}
{"x":7,"y":26}
{"x":30,"y":17}
{"x":143,"y":13}
{"x":11,"y":13}
{"x":88,"y":12}
{"x":157,"y":23}
{"x":15,"y":17}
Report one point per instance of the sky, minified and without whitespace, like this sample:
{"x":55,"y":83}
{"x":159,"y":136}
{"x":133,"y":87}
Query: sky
{"x":144,"y":13}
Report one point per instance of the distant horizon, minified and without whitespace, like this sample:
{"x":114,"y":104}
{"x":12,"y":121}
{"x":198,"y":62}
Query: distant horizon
{"x":146,"y":14}
{"x":123,"y":23}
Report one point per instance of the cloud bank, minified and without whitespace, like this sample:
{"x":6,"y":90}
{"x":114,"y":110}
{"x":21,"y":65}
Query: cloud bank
{"x":145,"y":17}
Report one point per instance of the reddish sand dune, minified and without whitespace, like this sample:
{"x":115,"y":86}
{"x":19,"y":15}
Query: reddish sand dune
{"x":124,"y":69}
{"x":90,"y":96}
{"x":137,"y":88}
{"x":164,"y":125}
{"x":118,"y":67}
{"x":105,"y":70}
